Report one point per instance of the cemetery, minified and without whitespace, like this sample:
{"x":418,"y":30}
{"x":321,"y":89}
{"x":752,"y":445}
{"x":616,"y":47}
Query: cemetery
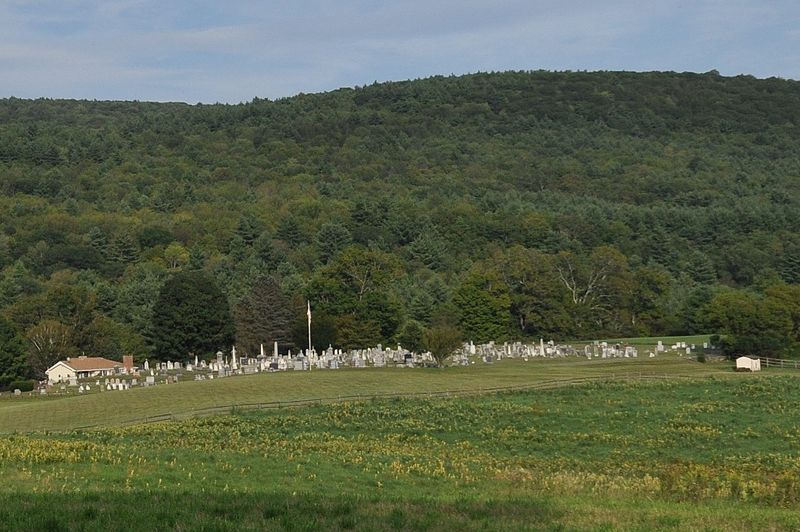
{"x":85,"y":375}
{"x":508,"y":434}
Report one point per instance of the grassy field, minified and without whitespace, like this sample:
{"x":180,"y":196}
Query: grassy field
{"x":706,"y":453}
{"x":116,"y":407}
{"x":697,"y":340}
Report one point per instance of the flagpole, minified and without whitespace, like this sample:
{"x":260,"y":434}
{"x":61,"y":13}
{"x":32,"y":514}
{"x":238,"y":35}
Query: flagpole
{"x":309,"y":334}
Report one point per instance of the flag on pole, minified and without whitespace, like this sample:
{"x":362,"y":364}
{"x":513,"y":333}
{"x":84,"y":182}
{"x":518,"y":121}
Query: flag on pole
{"x":308,"y":353}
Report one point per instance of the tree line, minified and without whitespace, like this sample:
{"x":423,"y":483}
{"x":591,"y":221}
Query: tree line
{"x":506,"y":205}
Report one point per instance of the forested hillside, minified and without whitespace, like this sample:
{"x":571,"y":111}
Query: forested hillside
{"x":519,"y":204}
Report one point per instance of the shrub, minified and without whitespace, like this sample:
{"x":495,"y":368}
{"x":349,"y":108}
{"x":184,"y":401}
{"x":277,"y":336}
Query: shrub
{"x":23,"y":386}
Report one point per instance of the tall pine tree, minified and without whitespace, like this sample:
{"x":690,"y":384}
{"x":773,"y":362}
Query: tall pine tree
{"x":263,"y":316}
{"x":12,"y":354}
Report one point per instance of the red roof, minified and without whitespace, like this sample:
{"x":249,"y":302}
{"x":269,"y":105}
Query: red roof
{"x":90,"y":363}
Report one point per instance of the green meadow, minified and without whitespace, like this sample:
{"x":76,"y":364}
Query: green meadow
{"x":188,"y":398}
{"x":715,"y":450}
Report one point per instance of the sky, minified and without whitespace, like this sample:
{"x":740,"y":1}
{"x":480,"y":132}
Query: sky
{"x":234,"y":50}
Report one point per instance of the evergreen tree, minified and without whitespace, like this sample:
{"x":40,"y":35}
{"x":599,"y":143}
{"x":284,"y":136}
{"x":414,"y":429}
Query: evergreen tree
{"x":263,"y":316}
{"x":197,"y":258}
{"x":13,"y":363}
{"x":16,"y":281}
{"x":355,"y":333}
{"x":266,"y":251}
{"x":247,"y":230}
{"x":289,"y":231}
{"x":483,"y":304}
{"x":191,"y":317}
{"x":421,"y":306}
{"x":790,"y":265}
{"x":124,"y":249}
{"x":136,"y":296}
{"x":99,"y":241}
{"x":429,"y":248}
{"x":331,"y":239}
{"x":700,"y":268}
{"x":410,"y":335}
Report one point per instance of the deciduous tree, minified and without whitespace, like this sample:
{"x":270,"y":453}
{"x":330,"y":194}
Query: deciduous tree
{"x":191,"y":317}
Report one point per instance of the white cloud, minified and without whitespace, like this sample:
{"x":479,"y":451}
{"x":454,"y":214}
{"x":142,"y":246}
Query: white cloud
{"x":207,"y":50}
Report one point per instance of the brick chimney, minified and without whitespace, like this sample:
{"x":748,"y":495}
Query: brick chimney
{"x":127,"y":363}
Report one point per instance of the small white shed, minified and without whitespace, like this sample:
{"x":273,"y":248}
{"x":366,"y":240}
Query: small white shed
{"x":747,"y":363}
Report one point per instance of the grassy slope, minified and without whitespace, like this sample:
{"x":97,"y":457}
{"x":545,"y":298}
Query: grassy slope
{"x":701,"y":454}
{"x":667,"y":340}
{"x":111,"y":408}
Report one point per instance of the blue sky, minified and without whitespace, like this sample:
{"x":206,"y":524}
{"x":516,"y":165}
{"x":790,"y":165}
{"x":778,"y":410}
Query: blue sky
{"x":232,"y":51}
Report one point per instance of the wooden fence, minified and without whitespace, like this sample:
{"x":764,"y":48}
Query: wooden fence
{"x":272,"y":405}
{"x":767,"y":362}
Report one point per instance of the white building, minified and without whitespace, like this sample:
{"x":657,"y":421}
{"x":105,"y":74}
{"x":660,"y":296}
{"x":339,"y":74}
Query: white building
{"x":752,"y":364}
{"x":81,"y":367}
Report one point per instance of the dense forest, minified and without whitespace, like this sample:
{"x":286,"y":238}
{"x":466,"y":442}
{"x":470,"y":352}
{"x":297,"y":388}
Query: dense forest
{"x":509,"y":205}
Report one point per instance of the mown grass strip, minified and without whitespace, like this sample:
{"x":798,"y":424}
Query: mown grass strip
{"x":185,"y":398}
